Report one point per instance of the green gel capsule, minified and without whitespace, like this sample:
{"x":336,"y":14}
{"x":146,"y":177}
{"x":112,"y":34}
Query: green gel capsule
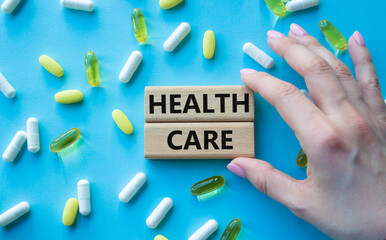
{"x":65,"y":140}
{"x":332,"y":35}
{"x":207,"y":185}
{"x":232,"y":230}
{"x":92,"y":68}
{"x":276,"y":6}
{"x":301,"y":159}
{"x":139,"y":25}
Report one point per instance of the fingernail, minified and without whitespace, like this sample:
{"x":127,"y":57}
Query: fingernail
{"x":298,"y":30}
{"x":274,"y":34}
{"x":246,"y":71}
{"x":359,"y":39}
{"x":236,"y":170}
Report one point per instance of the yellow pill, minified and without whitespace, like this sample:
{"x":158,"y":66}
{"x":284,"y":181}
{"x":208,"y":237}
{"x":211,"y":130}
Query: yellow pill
{"x":160,"y":237}
{"x":70,"y":211}
{"x":69,"y":96}
{"x":166,"y":4}
{"x":209,"y":44}
{"x":122,"y":121}
{"x":50,"y":65}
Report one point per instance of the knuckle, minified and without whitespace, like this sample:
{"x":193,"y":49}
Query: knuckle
{"x":319,"y":65}
{"x":371,"y":83}
{"x":314,"y":43}
{"x":330,"y":139}
{"x":342,"y":71}
{"x":261,"y":182}
{"x":286,"y":89}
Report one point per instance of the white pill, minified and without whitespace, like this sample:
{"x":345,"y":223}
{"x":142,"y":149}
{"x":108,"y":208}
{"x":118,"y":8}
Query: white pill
{"x":84,"y":197}
{"x":33,"y":135}
{"x":296,"y":5}
{"x":307,"y":94}
{"x":132,"y":187}
{"x":177,"y":36}
{"x":205,"y":231}
{"x":9,"y":5}
{"x":159,"y":212}
{"x":14,"y":146}
{"x":130,"y":66}
{"x":14,"y":213}
{"x":258,"y":55}
{"x":6,"y":88}
{"x":83,"y":5}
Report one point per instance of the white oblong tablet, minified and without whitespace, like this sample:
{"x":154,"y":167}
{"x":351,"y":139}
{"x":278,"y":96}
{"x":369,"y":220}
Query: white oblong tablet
{"x":6,"y":88}
{"x":9,"y":5}
{"x":258,"y":55}
{"x":33,"y":142}
{"x":130,"y":66}
{"x":14,"y":213}
{"x":132,"y":187}
{"x":296,"y":5}
{"x":159,"y":212}
{"x":84,"y":197}
{"x":82,"y":5}
{"x":14,"y":146}
{"x":177,"y":36}
{"x":205,"y":231}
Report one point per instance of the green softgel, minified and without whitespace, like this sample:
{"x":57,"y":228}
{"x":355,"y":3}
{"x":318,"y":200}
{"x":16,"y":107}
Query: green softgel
{"x":232,"y":230}
{"x":276,"y":6}
{"x":65,"y":140}
{"x":207,"y":185}
{"x":92,"y":68}
{"x":139,"y":25}
{"x":301,"y":159}
{"x":332,"y":34}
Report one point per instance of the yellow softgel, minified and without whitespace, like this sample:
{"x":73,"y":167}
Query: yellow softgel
{"x":160,"y":237}
{"x":70,"y":211}
{"x":209,"y":44}
{"x":122,"y":121}
{"x":51,"y":65}
{"x":166,"y":4}
{"x":69,"y":96}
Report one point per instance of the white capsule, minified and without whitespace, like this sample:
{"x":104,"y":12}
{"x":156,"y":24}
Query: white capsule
{"x":33,"y":135}
{"x":132,"y":187}
{"x":83,"y":5}
{"x":307,"y":94}
{"x":177,"y":36}
{"x":6,"y":88}
{"x":296,"y":5}
{"x":9,"y":5}
{"x":258,"y":55}
{"x":205,"y":231}
{"x":84,"y":197}
{"x":14,"y":213}
{"x":159,"y":212}
{"x":14,"y":146}
{"x":130,"y":66}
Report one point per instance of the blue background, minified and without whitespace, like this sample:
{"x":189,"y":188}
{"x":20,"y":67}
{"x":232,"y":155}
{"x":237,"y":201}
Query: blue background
{"x":107,"y":157}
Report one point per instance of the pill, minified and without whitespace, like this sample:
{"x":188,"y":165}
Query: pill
{"x":177,"y":36}
{"x":132,"y":187}
{"x":301,"y":159}
{"x":14,"y":213}
{"x":51,"y":65}
{"x":33,"y":142}
{"x":83,"y":5}
{"x":159,"y":212}
{"x":297,"y":5}
{"x":160,"y":237}
{"x":258,"y":55}
{"x":232,"y":230}
{"x":139,"y":25}
{"x":6,"y":88}
{"x":14,"y":146}
{"x":209,"y":44}
{"x":68,"y":96}
{"x":122,"y":121}
{"x":332,"y":34}
{"x":9,"y":5}
{"x":130,"y":66}
{"x":307,"y":94}
{"x":276,"y":6}
{"x":166,"y":4}
{"x":205,"y":231}
{"x":65,"y":140}
{"x":70,"y":211}
{"x":84,"y":197}
{"x":92,"y":68}
{"x":207,"y":185}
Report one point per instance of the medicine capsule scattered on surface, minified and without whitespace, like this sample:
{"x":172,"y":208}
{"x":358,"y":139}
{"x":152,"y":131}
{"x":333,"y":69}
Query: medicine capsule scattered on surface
{"x":9,"y":5}
{"x":139,"y":25}
{"x":6,"y":88}
{"x":122,"y":121}
{"x":83,"y":5}
{"x":301,"y":159}
{"x":14,"y":146}
{"x":130,"y":66}
{"x":132,"y":187}
{"x":332,"y":34}
{"x":276,"y":6}
{"x":51,"y":65}
{"x":160,"y":237}
{"x":205,"y":231}
{"x":68,"y":96}
{"x":65,"y":140}
{"x":166,"y":4}
{"x":296,"y":5}
{"x":209,"y":44}
{"x":258,"y":55}
{"x":33,"y":135}
{"x":159,"y":212}
{"x":70,"y":211}
{"x":232,"y":230}
{"x":92,"y":68}
{"x":207,"y":185}
{"x":177,"y":36}
{"x":84,"y":197}
{"x":14,"y":213}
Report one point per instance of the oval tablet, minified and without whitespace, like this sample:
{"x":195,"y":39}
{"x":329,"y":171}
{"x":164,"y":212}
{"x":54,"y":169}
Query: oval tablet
{"x":160,"y":237}
{"x":166,"y":4}
{"x":208,"y":44}
{"x":70,"y":211}
{"x":69,"y":96}
{"x":51,"y":65}
{"x":122,"y":121}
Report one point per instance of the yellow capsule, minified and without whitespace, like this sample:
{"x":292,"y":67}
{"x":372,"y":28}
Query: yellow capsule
{"x":51,"y":65}
{"x":209,"y":44}
{"x":160,"y":237}
{"x":69,"y":96}
{"x":122,"y":121}
{"x":166,"y":4}
{"x":70,"y":211}
{"x":92,"y":68}
{"x":332,"y":34}
{"x":276,"y":6}
{"x":139,"y":25}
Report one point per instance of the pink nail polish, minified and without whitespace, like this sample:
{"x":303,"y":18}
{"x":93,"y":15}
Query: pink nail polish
{"x":298,"y":30}
{"x":359,"y":39}
{"x":274,"y":34}
{"x":236,"y":170}
{"x":246,"y":71}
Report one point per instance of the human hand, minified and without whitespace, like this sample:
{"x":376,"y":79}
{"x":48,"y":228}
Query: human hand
{"x":343,"y":135}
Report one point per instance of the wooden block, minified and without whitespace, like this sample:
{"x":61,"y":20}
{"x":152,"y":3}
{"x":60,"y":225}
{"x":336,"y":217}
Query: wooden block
{"x":199,"y":103}
{"x":199,"y":140}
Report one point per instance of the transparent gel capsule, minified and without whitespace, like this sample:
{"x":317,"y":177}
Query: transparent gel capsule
{"x":65,"y":140}
{"x":207,"y":185}
{"x":139,"y":25}
{"x":332,"y":34}
{"x":232,"y":230}
{"x":92,"y":68}
{"x":301,"y":159}
{"x":276,"y":6}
